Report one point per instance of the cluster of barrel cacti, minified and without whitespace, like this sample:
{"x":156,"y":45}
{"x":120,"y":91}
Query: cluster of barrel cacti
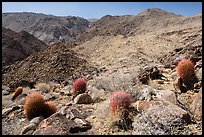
{"x":35,"y":105}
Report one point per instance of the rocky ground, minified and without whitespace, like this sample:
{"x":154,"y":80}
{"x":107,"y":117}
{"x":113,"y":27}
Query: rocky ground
{"x":143,"y":64}
{"x":157,"y":107}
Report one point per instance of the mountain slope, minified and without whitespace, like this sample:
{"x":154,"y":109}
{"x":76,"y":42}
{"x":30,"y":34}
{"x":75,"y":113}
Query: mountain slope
{"x":47,"y":28}
{"x":18,"y":46}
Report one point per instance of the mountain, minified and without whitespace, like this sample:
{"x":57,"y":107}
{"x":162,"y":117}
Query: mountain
{"x":18,"y":46}
{"x":149,"y":21}
{"x":47,"y":28}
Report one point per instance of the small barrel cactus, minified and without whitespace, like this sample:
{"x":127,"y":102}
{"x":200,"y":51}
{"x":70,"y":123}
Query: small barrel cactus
{"x":119,"y":102}
{"x":79,"y":87}
{"x":17,"y":92}
{"x":185,"y":69}
{"x":35,"y":105}
{"x":186,"y":72}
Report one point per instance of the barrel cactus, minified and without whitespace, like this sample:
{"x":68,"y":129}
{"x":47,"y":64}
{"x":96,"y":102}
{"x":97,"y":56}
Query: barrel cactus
{"x":185,"y":69}
{"x":186,"y":75}
{"x":35,"y":105}
{"x":120,"y":101}
{"x":79,"y":86}
{"x":17,"y":92}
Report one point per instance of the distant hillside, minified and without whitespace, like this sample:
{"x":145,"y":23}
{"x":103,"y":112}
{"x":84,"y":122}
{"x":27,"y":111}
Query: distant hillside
{"x":149,"y":21}
{"x":47,"y":28}
{"x":18,"y":46}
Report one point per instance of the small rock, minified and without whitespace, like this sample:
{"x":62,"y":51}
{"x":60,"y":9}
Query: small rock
{"x":146,"y":93}
{"x":81,"y":126}
{"x":74,"y":113}
{"x":6,"y":111}
{"x":196,"y":106}
{"x":92,"y":117}
{"x":96,"y":95}
{"x":5,"y":92}
{"x":31,"y":126}
{"x":83,"y":99}
{"x":198,"y":85}
{"x":57,"y":124}
{"x":37,"y":120}
{"x":47,"y":97}
{"x":168,"y":95}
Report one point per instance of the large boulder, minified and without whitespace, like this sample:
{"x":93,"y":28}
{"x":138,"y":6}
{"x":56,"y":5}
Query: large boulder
{"x":157,"y":117}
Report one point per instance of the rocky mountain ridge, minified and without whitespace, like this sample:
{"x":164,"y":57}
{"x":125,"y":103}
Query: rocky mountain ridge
{"x":47,"y":28}
{"x":149,"y":21}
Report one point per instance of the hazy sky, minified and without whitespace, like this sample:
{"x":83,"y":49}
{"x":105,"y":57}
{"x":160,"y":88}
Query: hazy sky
{"x":98,"y":9}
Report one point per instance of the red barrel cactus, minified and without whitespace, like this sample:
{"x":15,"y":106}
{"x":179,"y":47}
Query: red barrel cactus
{"x":79,"y":87}
{"x":120,"y":101}
{"x":185,"y":69}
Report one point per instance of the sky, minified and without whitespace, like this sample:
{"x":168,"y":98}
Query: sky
{"x":97,"y":10}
